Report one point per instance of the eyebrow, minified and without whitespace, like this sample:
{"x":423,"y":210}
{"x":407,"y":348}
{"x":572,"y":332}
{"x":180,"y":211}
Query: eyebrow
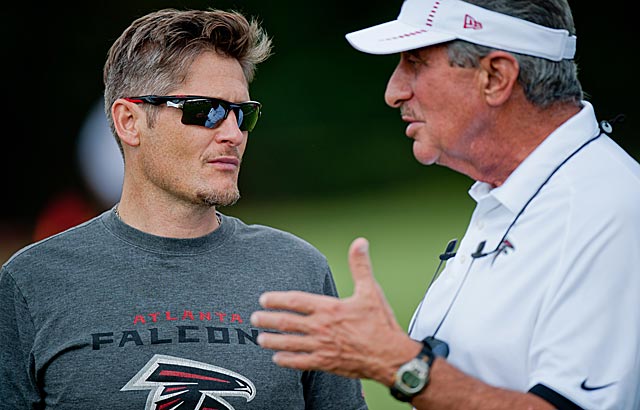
{"x":418,"y":54}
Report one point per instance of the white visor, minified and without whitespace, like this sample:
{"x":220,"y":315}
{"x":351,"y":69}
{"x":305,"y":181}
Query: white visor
{"x":424,"y":23}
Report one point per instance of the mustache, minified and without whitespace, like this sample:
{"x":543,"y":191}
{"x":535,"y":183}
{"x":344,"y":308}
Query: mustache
{"x":406,"y":111}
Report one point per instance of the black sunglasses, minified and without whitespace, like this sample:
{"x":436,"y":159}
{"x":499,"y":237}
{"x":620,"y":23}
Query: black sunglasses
{"x":205,"y":111}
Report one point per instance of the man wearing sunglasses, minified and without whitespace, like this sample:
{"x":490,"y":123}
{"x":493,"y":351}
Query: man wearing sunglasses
{"x":147,"y":306}
{"x":537,"y":307}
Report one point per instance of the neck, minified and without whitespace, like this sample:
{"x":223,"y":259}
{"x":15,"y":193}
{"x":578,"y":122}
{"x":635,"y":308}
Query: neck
{"x":513,"y":136}
{"x":171,"y":219}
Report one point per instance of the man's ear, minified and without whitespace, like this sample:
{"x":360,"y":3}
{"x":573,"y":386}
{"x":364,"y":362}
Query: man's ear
{"x":127,"y":117}
{"x":500,"y":72}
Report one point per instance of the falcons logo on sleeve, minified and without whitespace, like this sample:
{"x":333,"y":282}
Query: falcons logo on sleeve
{"x":183,"y":384}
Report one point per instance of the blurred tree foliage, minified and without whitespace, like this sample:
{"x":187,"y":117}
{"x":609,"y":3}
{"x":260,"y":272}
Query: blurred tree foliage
{"x":325,"y":129}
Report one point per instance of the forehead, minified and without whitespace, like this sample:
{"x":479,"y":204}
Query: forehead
{"x":427,"y":52}
{"x":214,"y":75}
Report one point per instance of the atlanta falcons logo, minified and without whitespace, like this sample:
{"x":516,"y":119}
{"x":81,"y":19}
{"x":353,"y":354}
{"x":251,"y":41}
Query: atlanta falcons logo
{"x":183,"y":384}
{"x":505,"y":247}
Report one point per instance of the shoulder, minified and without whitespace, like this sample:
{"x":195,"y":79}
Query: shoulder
{"x":59,"y":246}
{"x":595,"y":198}
{"x":272,"y":238}
{"x":282,"y":259}
{"x":604,"y":180}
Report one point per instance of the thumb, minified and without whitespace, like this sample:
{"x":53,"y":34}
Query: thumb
{"x":364,"y":282}
{"x":360,"y":263}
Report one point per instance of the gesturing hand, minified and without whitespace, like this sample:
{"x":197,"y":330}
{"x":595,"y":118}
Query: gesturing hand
{"x":356,"y":337}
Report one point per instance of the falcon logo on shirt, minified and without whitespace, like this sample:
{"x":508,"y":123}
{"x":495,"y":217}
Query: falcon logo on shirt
{"x":183,"y":384}
{"x":505,"y":247}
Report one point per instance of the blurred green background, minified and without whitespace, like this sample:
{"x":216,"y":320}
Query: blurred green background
{"x":328,"y":161}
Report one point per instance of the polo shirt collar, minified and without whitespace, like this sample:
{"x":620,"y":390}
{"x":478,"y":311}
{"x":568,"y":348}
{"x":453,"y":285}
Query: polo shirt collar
{"x":531,"y":173}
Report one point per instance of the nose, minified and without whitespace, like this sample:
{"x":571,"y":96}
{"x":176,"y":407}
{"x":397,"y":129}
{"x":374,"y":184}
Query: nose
{"x":398,"y":88}
{"x":228,"y":132}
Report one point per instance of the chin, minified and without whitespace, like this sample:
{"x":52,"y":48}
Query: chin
{"x":219,"y":197}
{"x":425,"y":157}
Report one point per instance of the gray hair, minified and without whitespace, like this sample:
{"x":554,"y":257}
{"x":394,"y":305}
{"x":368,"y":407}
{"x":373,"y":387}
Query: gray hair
{"x":153,"y":55}
{"x":545,"y":82}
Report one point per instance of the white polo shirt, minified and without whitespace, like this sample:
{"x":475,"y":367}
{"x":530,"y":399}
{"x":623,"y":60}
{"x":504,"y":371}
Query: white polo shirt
{"x":560,"y":305}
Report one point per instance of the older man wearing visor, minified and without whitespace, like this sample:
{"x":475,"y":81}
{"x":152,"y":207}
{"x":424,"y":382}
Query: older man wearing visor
{"x":536,"y":308}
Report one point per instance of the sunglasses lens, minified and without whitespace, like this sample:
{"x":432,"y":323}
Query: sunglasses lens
{"x":203,"y":113}
{"x":209,"y":113}
{"x":248,"y":115}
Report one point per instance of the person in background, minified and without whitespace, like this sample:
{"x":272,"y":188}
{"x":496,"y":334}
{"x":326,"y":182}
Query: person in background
{"x":147,"y":305}
{"x":537,"y":306}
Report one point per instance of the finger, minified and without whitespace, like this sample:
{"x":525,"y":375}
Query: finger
{"x":360,"y":264}
{"x":288,"y":342}
{"x":280,"y":321}
{"x":364,"y":281}
{"x":295,"y":301}
{"x":299,"y":361}
{"x":312,"y":361}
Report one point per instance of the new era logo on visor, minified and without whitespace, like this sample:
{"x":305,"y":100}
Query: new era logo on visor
{"x":470,"y":22}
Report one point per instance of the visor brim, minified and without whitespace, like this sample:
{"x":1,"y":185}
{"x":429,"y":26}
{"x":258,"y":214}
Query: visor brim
{"x":395,"y":37}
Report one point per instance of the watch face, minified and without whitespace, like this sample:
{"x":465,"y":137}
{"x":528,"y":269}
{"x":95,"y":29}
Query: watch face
{"x":412,"y":376}
{"x":411,"y":379}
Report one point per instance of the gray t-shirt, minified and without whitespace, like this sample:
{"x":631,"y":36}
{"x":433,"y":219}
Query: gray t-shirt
{"x":106,"y":316}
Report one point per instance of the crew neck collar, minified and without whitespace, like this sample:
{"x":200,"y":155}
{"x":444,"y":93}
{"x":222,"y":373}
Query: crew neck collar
{"x":166,"y":245}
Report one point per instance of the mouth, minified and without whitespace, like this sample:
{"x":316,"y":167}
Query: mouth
{"x":226,"y":163}
{"x":412,"y":125}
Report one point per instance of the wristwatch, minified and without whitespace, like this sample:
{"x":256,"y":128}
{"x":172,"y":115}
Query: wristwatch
{"x":413,"y":376}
